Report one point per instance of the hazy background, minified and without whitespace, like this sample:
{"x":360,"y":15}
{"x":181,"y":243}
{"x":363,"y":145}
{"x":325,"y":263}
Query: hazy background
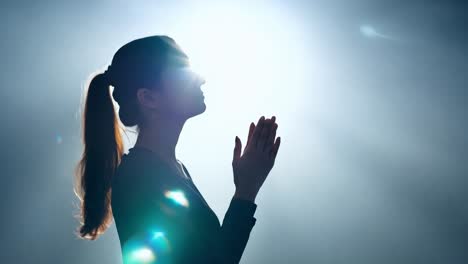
{"x":370,"y":98}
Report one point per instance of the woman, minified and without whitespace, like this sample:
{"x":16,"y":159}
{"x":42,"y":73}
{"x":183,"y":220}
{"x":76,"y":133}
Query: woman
{"x":160,"y":215}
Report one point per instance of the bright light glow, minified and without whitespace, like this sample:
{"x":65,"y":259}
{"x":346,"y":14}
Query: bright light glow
{"x":178,"y":197}
{"x":143,"y":255}
{"x":254,"y":59}
{"x":246,"y":54}
{"x":157,"y":235}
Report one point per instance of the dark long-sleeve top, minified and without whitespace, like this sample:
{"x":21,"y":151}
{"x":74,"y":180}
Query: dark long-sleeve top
{"x":162,"y":218}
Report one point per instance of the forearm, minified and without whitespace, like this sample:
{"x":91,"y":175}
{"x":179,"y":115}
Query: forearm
{"x":235,"y":230}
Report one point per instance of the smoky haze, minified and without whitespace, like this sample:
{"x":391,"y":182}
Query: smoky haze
{"x":371,"y":102}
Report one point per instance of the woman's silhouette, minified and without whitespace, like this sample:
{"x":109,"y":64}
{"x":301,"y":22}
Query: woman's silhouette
{"x":160,"y":215}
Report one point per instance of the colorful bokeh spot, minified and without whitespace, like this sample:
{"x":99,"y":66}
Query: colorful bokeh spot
{"x":143,"y":255}
{"x":148,"y":248}
{"x":178,"y":197}
{"x":59,"y":139}
{"x":158,"y":235}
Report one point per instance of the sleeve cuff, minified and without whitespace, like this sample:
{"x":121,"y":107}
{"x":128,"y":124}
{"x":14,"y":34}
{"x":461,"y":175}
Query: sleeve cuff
{"x":240,"y":214}
{"x":242,"y":207}
{"x":243,"y":211}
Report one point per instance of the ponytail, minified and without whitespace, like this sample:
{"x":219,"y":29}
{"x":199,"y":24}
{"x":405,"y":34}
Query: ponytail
{"x":103,"y":149}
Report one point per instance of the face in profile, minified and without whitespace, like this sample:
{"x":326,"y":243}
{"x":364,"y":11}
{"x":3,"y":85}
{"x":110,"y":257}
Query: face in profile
{"x":179,"y":93}
{"x":181,"y":88}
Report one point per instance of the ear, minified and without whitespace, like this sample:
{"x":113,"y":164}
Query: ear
{"x":148,"y":97}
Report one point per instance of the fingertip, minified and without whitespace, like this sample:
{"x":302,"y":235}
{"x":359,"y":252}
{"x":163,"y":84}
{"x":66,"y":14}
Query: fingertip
{"x":278,"y":140}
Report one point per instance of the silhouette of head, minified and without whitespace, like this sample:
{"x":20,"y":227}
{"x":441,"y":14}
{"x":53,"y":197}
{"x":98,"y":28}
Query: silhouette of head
{"x":152,"y":79}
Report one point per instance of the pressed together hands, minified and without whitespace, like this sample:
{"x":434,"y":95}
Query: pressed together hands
{"x":252,"y":167}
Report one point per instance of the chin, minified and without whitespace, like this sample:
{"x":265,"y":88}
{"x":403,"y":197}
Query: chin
{"x":203,"y":109}
{"x":198,"y":111}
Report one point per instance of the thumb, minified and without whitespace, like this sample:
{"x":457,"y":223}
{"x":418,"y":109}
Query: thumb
{"x":237,"y":149}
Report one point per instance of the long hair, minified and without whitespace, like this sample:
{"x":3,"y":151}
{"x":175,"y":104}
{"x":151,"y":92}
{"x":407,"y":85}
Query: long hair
{"x":136,"y":64}
{"x":103,"y":150}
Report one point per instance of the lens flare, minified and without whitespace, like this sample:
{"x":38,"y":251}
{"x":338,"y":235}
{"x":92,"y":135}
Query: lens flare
{"x":148,"y":247}
{"x":178,"y":197}
{"x":158,"y":235}
{"x":143,"y":255}
{"x":59,"y":139}
{"x":370,"y":32}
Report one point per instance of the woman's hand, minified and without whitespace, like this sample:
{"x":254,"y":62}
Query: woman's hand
{"x":252,"y":168}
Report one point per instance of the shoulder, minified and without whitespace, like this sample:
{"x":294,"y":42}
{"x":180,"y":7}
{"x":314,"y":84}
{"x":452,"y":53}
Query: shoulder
{"x":136,"y":172}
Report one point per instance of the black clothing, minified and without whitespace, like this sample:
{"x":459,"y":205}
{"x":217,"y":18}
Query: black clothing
{"x":156,"y":209}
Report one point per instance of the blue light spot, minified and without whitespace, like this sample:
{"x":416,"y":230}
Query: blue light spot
{"x":157,"y":235}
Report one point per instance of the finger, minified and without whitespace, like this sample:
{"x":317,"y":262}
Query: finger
{"x":249,"y":137}
{"x":274,"y":151}
{"x":271,"y":138}
{"x":266,"y":130}
{"x":257,"y":131}
{"x":237,"y":150}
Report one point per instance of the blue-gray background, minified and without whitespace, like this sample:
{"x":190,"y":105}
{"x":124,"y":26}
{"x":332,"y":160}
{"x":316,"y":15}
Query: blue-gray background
{"x":373,"y":163}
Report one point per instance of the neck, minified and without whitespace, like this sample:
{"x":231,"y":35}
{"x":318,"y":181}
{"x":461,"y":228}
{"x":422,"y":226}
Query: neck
{"x":161,"y":136}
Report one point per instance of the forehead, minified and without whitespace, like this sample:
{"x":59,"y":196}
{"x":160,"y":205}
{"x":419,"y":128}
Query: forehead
{"x":179,"y":73}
